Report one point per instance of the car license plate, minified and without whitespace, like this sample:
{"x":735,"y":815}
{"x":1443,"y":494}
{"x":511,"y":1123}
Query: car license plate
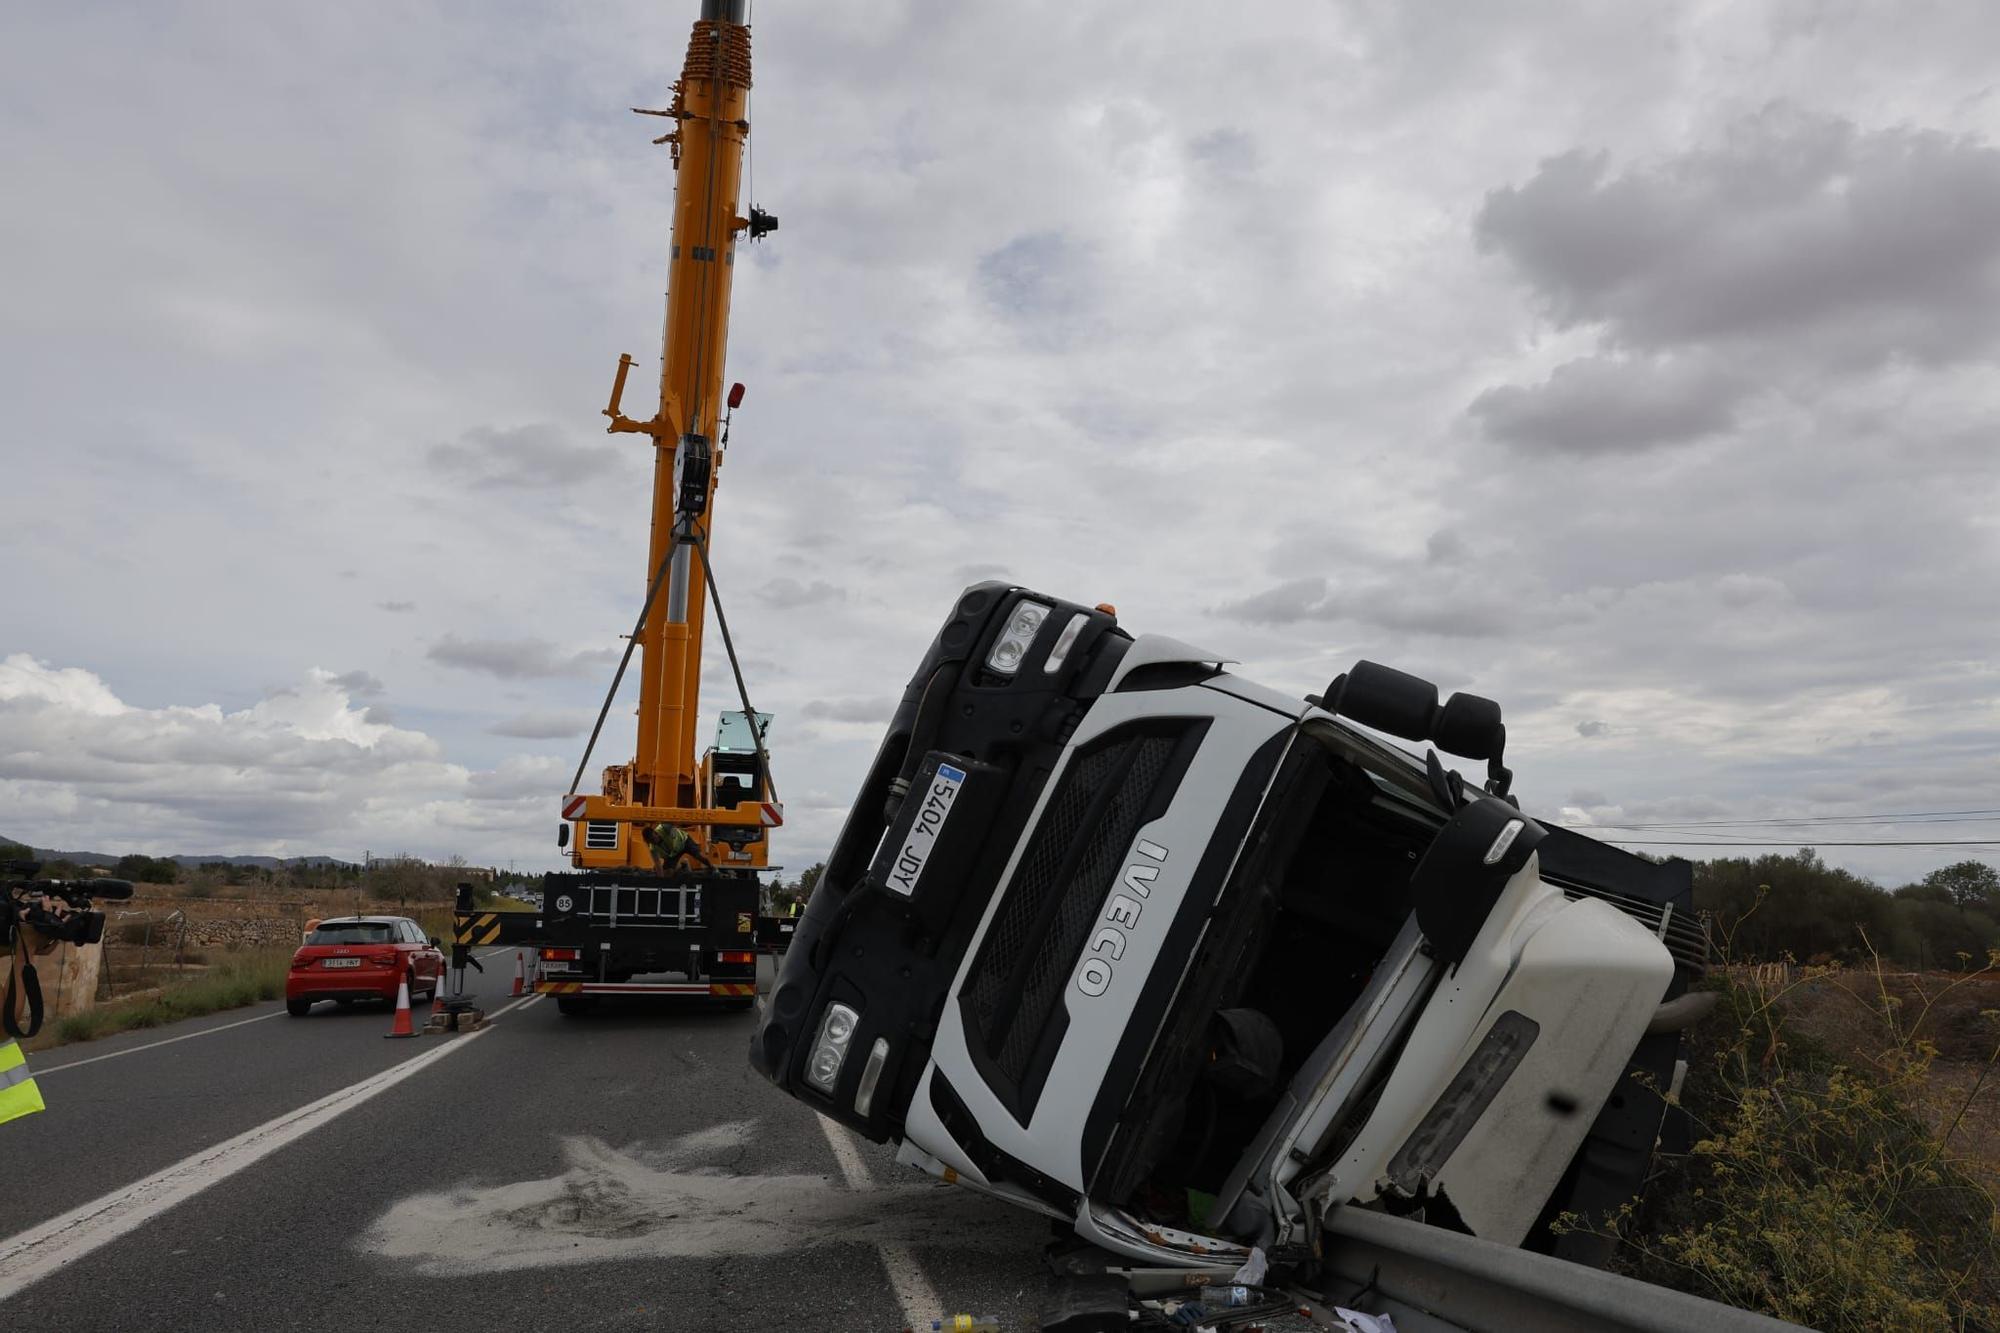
{"x":343,"y":962}
{"x":924,"y":831}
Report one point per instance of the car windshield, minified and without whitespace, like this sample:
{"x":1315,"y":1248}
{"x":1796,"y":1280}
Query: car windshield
{"x":353,"y":932}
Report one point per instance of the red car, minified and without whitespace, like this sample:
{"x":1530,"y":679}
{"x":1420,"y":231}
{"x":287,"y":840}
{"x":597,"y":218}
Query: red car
{"x":353,"y":958}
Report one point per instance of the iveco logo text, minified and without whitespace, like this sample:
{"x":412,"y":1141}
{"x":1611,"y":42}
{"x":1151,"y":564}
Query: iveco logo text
{"x":1107,"y":946}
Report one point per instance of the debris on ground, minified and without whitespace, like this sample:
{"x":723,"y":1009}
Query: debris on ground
{"x":1094,"y":1293}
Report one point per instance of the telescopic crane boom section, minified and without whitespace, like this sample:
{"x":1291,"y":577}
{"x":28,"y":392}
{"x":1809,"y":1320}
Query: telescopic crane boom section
{"x":725,"y":813}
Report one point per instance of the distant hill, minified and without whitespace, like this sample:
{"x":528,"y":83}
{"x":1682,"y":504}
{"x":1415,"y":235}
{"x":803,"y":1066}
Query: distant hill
{"x":263,"y":862}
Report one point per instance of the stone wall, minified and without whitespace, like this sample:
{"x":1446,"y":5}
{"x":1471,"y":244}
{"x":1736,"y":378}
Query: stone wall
{"x":218,"y":923}
{"x":248,"y":932}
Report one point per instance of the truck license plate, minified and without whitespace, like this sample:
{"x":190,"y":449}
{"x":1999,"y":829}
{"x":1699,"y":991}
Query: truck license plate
{"x":924,"y":832}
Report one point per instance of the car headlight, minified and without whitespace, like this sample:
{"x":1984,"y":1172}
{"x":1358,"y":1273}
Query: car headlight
{"x":830,"y":1048}
{"x":1014,"y":641}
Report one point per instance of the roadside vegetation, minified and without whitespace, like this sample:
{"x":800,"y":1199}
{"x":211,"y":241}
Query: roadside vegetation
{"x":1845,"y":1144}
{"x":237,"y":979}
{"x":1796,"y":906}
{"x":159,"y":966}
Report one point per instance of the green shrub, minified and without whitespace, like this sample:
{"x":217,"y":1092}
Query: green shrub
{"x":86,"y":1026}
{"x":1815,"y":1191}
{"x":240,"y":979}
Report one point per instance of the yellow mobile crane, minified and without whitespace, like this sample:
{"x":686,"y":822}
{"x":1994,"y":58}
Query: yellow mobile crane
{"x":663,"y":784}
{"x":667,"y":855}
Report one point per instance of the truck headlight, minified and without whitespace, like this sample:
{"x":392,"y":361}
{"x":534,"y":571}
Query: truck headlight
{"x":1015,"y":640}
{"x":1064,"y":642}
{"x":830,"y":1049}
{"x":871,"y":1074}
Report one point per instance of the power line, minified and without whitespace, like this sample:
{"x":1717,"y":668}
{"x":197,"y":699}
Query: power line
{"x":1939,"y":842}
{"x":1916,"y":816}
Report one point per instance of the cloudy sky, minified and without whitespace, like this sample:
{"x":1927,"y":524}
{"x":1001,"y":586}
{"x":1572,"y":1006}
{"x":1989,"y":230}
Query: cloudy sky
{"x":1632,"y":365}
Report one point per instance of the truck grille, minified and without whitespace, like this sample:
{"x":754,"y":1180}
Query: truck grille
{"x":1015,"y":984}
{"x":1684,"y":933}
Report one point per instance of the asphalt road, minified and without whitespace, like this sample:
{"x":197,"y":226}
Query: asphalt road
{"x":625,"y":1169}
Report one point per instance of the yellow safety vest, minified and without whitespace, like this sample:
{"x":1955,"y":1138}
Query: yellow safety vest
{"x":18,"y":1094}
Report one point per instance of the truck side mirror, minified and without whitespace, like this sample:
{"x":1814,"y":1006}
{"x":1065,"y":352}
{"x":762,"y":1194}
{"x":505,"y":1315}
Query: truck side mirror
{"x":1407,"y":706}
{"x":1464,"y":870}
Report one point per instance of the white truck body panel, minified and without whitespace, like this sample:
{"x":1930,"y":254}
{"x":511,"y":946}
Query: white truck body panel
{"x":1137,"y":910}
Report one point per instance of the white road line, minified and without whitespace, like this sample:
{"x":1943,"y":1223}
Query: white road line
{"x":913,"y":1290}
{"x":165,"y":1041}
{"x":40,"y":1251}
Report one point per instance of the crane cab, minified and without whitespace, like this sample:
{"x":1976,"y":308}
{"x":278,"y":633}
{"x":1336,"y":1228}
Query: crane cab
{"x":729,"y":777}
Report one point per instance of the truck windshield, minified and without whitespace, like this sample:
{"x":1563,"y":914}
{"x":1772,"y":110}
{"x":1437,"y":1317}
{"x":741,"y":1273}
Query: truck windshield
{"x":1293,"y":941}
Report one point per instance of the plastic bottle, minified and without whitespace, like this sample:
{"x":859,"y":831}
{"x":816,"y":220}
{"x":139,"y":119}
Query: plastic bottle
{"x":1225,"y":1297}
{"x":965,"y":1323}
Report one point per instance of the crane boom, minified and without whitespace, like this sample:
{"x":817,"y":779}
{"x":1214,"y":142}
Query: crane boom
{"x":664,"y":899}
{"x":665,"y":783}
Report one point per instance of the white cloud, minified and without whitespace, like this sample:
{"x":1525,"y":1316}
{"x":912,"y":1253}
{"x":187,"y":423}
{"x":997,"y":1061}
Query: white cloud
{"x":299,"y":771}
{"x":542,"y":726}
{"x":1603,"y":405}
{"x":512,"y":659}
{"x":534,"y":457}
{"x":1792,"y":223}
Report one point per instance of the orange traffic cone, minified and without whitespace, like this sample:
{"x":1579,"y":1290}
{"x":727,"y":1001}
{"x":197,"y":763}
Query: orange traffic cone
{"x":402,"y":1027}
{"x":520,"y":974}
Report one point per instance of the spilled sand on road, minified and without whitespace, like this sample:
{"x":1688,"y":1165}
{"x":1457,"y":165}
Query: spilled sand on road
{"x":671,"y":1201}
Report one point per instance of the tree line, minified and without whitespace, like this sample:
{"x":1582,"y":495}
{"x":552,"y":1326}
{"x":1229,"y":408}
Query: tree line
{"x":383,"y":879}
{"x":1795,"y":904}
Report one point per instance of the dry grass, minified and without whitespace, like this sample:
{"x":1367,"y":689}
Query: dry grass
{"x":239,"y":979}
{"x":1844,"y":1172}
{"x":1866,"y":1017}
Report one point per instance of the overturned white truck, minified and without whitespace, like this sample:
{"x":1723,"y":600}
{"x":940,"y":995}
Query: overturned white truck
{"x":1184,"y":962}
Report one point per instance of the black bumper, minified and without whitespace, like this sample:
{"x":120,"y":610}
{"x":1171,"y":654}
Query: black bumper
{"x":885,"y":936}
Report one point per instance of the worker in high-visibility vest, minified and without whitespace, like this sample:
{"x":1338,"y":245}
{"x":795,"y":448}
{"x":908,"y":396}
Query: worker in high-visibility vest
{"x":670,"y":844}
{"x":22,"y":996}
{"x":18,"y":1094}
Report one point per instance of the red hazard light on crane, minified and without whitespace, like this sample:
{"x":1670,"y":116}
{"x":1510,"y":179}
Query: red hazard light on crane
{"x":735,"y":396}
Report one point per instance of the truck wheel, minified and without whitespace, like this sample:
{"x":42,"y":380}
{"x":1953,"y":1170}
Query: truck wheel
{"x":572,"y":1005}
{"x":297,"y":1008}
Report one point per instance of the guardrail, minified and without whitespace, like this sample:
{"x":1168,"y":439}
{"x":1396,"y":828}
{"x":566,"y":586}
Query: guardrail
{"x":1437,"y":1281}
